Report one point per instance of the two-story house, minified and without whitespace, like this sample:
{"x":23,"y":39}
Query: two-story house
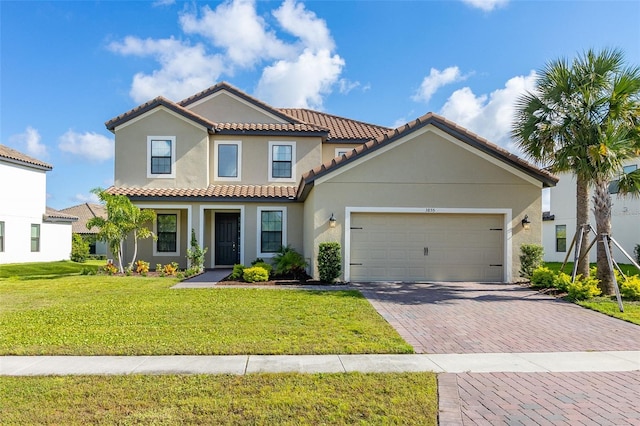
{"x":29,"y":230}
{"x":559,"y":226}
{"x":426,"y":201}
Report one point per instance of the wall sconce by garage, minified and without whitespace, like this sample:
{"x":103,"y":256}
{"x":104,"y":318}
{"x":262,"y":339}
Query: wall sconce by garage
{"x":526,"y":223}
{"x":332,"y":221}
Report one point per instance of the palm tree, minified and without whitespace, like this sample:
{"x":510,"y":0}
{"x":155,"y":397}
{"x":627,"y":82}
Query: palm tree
{"x":584,"y":118}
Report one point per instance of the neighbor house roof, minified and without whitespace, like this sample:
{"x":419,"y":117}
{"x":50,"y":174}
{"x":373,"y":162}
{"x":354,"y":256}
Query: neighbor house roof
{"x":212,"y":191}
{"x":340,"y":129}
{"x":441,"y":123}
{"x":10,"y":155}
{"x":85,"y":212}
{"x":53,"y":215}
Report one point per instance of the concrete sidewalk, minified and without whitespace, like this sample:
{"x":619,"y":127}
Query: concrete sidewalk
{"x":246,"y":364}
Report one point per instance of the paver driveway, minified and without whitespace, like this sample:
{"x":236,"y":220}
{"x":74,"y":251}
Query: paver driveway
{"x":488,"y":318}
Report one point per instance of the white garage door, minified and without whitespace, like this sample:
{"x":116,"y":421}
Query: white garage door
{"x":426,"y":247}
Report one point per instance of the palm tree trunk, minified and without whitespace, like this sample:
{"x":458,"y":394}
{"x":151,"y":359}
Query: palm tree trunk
{"x":582,"y":218}
{"x":602,"y":212}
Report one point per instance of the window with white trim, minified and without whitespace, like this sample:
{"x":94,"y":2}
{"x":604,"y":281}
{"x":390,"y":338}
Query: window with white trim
{"x":282,"y":161}
{"x":272,"y":226}
{"x":161,"y":157}
{"x":228,"y":160}
{"x":35,"y":237}
{"x":561,"y":238}
{"x":342,"y":151}
{"x":1,"y":236}
{"x":168,"y":234}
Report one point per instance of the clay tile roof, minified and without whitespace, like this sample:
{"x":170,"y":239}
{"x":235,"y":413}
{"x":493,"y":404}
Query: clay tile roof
{"x":441,"y":123}
{"x":14,"y":156}
{"x":85,"y":212}
{"x":154,"y":103}
{"x":223,"y":85}
{"x":52,"y":215}
{"x":269,"y":127}
{"x":212,"y":191}
{"x":340,"y":128}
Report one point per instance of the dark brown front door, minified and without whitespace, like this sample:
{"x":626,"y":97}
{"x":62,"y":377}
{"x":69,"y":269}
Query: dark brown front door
{"x":227,"y":238}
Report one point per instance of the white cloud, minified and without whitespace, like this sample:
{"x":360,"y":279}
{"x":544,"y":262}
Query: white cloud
{"x":86,"y":198}
{"x":435,"y":80}
{"x":490,"y":115}
{"x":486,"y":5}
{"x":346,"y":86}
{"x":185,"y":69}
{"x":237,"y":28}
{"x":299,"y":69}
{"x":159,"y":3}
{"x":89,"y":145}
{"x":29,"y":141}
{"x":300,"y":83}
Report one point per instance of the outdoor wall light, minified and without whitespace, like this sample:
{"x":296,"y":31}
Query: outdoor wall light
{"x":526,"y":223}
{"x":332,"y":221}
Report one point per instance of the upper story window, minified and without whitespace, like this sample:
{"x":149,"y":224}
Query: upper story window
{"x":228,"y":161}
{"x":35,"y":237}
{"x":342,"y":151}
{"x":614,"y":185}
{"x":282,"y":167}
{"x":1,"y":236}
{"x":161,"y":156}
{"x":167,"y":233}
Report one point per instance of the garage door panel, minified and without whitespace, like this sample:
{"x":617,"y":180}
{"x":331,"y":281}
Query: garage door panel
{"x":392,"y":246}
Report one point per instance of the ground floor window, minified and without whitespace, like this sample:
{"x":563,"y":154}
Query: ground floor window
{"x":35,"y":237}
{"x":272,"y":226}
{"x":561,"y":238}
{"x":167,"y":233}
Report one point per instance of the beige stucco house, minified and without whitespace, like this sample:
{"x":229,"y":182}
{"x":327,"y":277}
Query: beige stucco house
{"x":426,"y":201}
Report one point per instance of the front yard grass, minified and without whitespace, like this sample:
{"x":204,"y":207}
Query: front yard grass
{"x":609,"y":306}
{"x":277,"y":399}
{"x":628,"y":269}
{"x":102,"y":315}
{"x":37,"y":270}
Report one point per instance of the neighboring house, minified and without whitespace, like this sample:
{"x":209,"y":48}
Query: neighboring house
{"x":85,"y":212}
{"x":426,"y":201}
{"x":559,"y":225}
{"x":29,"y":231}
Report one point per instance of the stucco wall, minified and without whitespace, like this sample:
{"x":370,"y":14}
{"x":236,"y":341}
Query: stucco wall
{"x":191,"y":151}
{"x":226,"y":108}
{"x":428,"y":170}
{"x":625,"y":220}
{"x":23,"y":205}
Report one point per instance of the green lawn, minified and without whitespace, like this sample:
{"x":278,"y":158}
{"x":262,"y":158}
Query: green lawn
{"x":609,"y":306}
{"x":628,"y":269}
{"x":102,"y":315}
{"x":273,"y":399}
{"x":36,"y":270}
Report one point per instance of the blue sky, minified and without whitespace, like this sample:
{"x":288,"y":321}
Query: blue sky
{"x":67,"y":67}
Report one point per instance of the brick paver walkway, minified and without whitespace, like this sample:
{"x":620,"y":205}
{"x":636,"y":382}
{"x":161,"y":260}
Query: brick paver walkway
{"x":488,"y":318}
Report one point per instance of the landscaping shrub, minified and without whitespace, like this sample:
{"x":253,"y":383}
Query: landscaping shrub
{"x":329,"y":261}
{"x":255,"y":274}
{"x":236,"y":274}
{"x":289,"y":263}
{"x":583,"y":288}
{"x":562,"y":281}
{"x":543,"y":277}
{"x":79,"y":249}
{"x":170,"y":268}
{"x":530,"y":258}
{"x":142,"y":267}
{"x":630,"y":288}
{"x":110,"y":269}
{"x":195,"y":254}
{"x":266,"y":266}
{"x":258,"y":260}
